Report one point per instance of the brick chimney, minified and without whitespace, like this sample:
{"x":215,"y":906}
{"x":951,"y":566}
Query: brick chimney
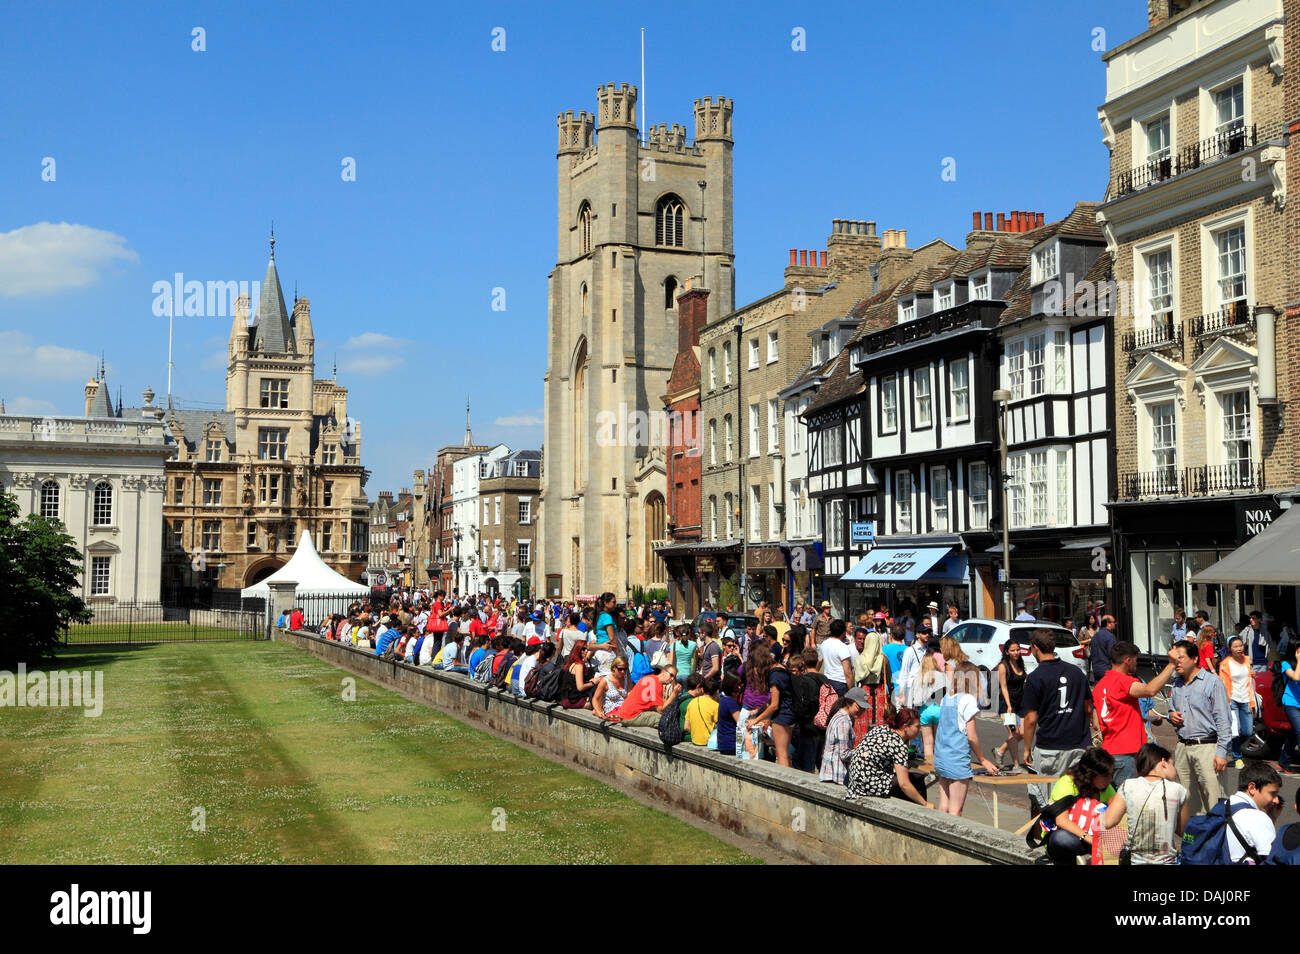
{"x":852,"y":247}
{"x":692,"y":315}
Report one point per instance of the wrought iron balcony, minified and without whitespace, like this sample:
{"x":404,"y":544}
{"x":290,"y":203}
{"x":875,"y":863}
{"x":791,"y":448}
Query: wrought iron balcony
{"x":1235,"y":317}
{"x":1164,"y":332}
{"x":1207,"y":480}
{"x":976,"y":314}
{"x":1229,"y":142}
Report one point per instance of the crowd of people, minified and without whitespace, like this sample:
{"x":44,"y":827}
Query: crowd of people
{"x":886,"y":707}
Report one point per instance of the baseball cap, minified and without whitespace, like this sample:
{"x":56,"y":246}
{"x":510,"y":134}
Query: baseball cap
{"x":880,"y":615}
{"x":857,"y":695}
{"x":534,"y":640}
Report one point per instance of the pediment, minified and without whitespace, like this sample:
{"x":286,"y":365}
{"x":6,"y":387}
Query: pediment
{"x":1154,"y":369}
{"x":1226,"y":354}
{"x":103,"y":547}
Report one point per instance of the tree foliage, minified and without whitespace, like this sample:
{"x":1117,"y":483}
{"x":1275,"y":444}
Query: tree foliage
{"x":40,"y":573}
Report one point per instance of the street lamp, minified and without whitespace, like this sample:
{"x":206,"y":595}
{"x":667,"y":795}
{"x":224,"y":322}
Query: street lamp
{"x":1002,"y":396}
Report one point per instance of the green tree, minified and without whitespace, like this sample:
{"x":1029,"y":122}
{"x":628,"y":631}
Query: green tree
{"x":40,"y":572}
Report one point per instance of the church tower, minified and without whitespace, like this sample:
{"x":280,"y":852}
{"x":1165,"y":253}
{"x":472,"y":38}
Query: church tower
{"x":634,"y":226}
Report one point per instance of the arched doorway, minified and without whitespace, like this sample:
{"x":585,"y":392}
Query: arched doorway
{"x":492,"y":587}
{"x":260,"y":570}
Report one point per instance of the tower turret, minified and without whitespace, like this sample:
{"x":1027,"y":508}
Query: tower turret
{"x":713,"y":119}
{"x":302,"y":326}
{"x":575,"y":131}
{"x":617,"y":105}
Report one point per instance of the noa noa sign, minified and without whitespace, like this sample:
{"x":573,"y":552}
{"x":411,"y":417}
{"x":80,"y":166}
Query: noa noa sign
{"x":1256,"y":516}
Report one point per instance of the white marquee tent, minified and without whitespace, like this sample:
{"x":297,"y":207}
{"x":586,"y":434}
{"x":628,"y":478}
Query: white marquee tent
{"x":310,"y":572}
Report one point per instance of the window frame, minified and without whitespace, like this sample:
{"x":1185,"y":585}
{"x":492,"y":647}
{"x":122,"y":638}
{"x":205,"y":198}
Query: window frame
{"x":1044,"y":257}
{"x":102,"y":513}
{"x":922,"y":401}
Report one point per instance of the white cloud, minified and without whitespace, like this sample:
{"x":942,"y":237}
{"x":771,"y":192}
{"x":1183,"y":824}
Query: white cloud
{"x":26,"y":405}
{"x":51,"y":362}
{"x":45,"y":258}
{"x":518,"y":420}
{"x":373,"y":339}
{"x":370,"y":364}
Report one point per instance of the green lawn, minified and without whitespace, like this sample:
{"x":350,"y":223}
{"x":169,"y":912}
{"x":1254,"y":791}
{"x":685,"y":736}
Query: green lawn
{"x":101,"y":633}
{"x":259,"y":736}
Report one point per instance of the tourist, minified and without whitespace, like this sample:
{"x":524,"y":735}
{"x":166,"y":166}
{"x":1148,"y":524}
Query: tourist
{"x":778,"y":714}
{"x":453,"y":657}
{"x":524,"y":665}
{"x":1254,"y":807}
{"x":709,"y":651}
{"x":956,"y":740}
{"x":648,"y":699}
{"x":1115,"y":700}
{"x":954,"y":618}
{"x":871,"y":674}
{"x":1239,"y":680}
{"x":684,"y":651}
{"x":578,"y":683}
{"x":894,"y":649}
{"x":1022,"y":614}
{"x":878,"y":765}
{"x":806,"y":686}
{"x":822,"y":628}
{"x":610,"y":691}
{"x":1200,"y":714}
{"x":1056,"y":725}
{"x":1289,"y":760}
{"x":1011,"y":691}
{"x":1207,"y":638}
{"x":1255,"y":639}
{"x":1156,"y":806}
{"x":702,"y":713}
{"x":932,"y":680}
{"x":837,"y":655}
{"x":1077,"y":803}
{"x":839,"y":737}
{"x":1179,"y":630}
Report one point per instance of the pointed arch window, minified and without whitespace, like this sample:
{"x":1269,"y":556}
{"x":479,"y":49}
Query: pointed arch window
{"x":584,"y":227}
{"x":670,"y":292}
{"x":670,"y":217}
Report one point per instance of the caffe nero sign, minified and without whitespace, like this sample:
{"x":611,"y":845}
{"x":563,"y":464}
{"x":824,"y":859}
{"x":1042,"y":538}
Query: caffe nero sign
{"x":1254,"y":517}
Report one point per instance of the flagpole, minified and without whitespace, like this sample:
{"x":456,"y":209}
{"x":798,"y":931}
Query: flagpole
{"x":643,"y":84}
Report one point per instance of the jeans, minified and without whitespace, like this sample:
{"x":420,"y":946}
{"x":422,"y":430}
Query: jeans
{"x":1245,"y":724}
{"x":807,"y":746}
{"x":1291,"y":748}
{"x":1125,"y":767}
{"x":1064,"y":847}
{"x":463,"y":670}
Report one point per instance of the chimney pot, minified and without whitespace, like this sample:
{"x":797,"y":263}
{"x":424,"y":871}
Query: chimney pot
{"x":793,"y":257}
{"x":823,"y":259}
{"x":1002,"y":222}
{"x":975,"y":221}
{"x":803,"y":257}
{"x":1020,"y":222}
{"x":871,"y":228}
{"x":1040,"y":219}
{"x":902,"y":238}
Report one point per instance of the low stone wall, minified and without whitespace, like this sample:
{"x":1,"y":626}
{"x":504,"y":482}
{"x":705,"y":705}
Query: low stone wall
{"x":788,"y":810}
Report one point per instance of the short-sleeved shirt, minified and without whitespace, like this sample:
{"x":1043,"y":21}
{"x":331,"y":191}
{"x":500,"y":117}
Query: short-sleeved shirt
{"x":702,"y":714}
{"x":602,"y":635}
{"x":1255,"y":826}
{"x":834,"y":652}
{"x":779,"y":679}
{"x":683,"y":657}
{"x":1121,"y":716}
{"x":647,"y":694}
{"x":709,"y":653}
{"x":727,"y":709}
{"x":1058,"y":692}
{"x":1103,"y":641}
{"x":871,"y":766}
{"x":1291,"y":694}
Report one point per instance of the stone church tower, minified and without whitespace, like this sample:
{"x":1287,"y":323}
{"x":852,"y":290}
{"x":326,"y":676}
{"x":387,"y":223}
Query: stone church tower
{"x":634,"y":227}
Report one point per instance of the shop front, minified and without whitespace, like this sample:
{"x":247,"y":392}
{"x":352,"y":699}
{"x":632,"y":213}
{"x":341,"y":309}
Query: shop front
{"x":1164,"y":545}
{"x":1058,"y":576}
{"x":765,"y":574}
{"x":898,"y":578}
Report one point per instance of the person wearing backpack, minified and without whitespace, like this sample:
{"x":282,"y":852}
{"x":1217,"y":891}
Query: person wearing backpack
{"x":1286,"y":692}
{"x":805,"y":688}
{"x":1237,"y":830}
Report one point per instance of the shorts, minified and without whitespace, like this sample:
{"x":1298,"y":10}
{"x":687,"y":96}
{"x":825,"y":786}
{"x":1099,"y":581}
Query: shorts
{"x":930,"y":714}
{"x":1010,"y":720}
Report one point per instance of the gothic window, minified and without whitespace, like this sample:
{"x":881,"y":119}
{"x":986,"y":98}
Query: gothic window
{"x":670,"y":292}
{"x":584,"y":227}
{"x":670,"y":216}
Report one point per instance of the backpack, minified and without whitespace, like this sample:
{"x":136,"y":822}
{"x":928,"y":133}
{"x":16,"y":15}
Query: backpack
{"x":663,"y":656}
{"x":483,"y":671}
{"x":1279,"y":685}
{"x":640,"y":664}
{"x":670,"y":724}
{"x":806,"y":693}
{"x":1205,"y":839}
{"x":507,"y":659}
{"x":826,"y":699}
{"x":550,"y":683}
{"x":1286,"y":846}
{"x":534,"y":679}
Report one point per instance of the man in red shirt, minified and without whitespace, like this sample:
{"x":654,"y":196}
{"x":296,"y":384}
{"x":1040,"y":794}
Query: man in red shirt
{"x":296,"y":619}
{"x":647,"y":699}
{"x":1115,"y":702}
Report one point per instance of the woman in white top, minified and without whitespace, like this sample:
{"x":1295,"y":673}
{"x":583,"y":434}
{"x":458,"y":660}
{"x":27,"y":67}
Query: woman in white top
{"x":1239,"y":680}
{"x":1156,"y":806}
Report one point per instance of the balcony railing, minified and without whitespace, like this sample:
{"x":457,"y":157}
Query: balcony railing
{"x":1229,"y":142}
{"x":1237,"y":316}
{"x":979,"y":314}
{"x":1201,"y":481}
{"x":1164,"y":332}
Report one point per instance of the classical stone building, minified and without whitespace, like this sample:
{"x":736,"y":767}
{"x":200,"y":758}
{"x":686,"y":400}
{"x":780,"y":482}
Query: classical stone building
{"x":1194,"y":221}
{"x":101,"y":476}
{"x":635,"y":220}
{"x":281,"y":458}
{"x":508,"y":516}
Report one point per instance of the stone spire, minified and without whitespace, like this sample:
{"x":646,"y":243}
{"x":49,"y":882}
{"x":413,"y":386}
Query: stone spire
{"x":102,"y":404}
{"x":469,"y":437}
{"x":272,"y":333}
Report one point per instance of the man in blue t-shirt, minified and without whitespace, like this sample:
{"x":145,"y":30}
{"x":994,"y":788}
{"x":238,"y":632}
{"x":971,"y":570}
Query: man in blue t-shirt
{"x":893,"y":651}
{"x":1057,"y":711}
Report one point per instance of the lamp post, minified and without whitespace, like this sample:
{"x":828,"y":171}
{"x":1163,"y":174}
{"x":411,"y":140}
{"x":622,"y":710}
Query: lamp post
{"x":1001,"y":396}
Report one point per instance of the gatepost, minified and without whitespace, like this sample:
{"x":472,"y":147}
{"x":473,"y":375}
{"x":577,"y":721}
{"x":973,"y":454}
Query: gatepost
{"x":281,"y":600}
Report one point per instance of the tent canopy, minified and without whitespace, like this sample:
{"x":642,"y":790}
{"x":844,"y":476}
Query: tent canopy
{"x":906,"y":565}
{"x":1272,"y":557}
{"x":310,"y":572}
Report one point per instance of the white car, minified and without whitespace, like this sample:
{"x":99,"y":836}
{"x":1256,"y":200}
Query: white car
{"x":982,"y":640}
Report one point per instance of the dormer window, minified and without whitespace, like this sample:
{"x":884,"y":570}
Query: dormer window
{"x":1046,"y":263}
{"x":981,"y":288}
{"x":944,"y":297}
{"x":834,"y":346}
{"x":906,"y":309}
{"x":817,"y":350}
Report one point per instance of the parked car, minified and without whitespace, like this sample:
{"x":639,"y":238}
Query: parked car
{"x":1271,"y":724}
{"x":982,"y":640}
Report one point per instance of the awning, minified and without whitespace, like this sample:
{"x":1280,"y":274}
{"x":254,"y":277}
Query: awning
{"x":908,"y":565}
{"x":1271,"y":557}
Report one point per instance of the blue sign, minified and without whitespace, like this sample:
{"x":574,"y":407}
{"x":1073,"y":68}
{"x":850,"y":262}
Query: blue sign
{"x":862,"y":532}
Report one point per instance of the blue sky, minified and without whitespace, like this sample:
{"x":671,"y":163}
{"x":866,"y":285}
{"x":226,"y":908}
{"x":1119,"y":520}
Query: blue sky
{"x":170,"y":160}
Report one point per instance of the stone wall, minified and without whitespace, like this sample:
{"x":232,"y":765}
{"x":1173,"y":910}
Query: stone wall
{"x":790,"y":811}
